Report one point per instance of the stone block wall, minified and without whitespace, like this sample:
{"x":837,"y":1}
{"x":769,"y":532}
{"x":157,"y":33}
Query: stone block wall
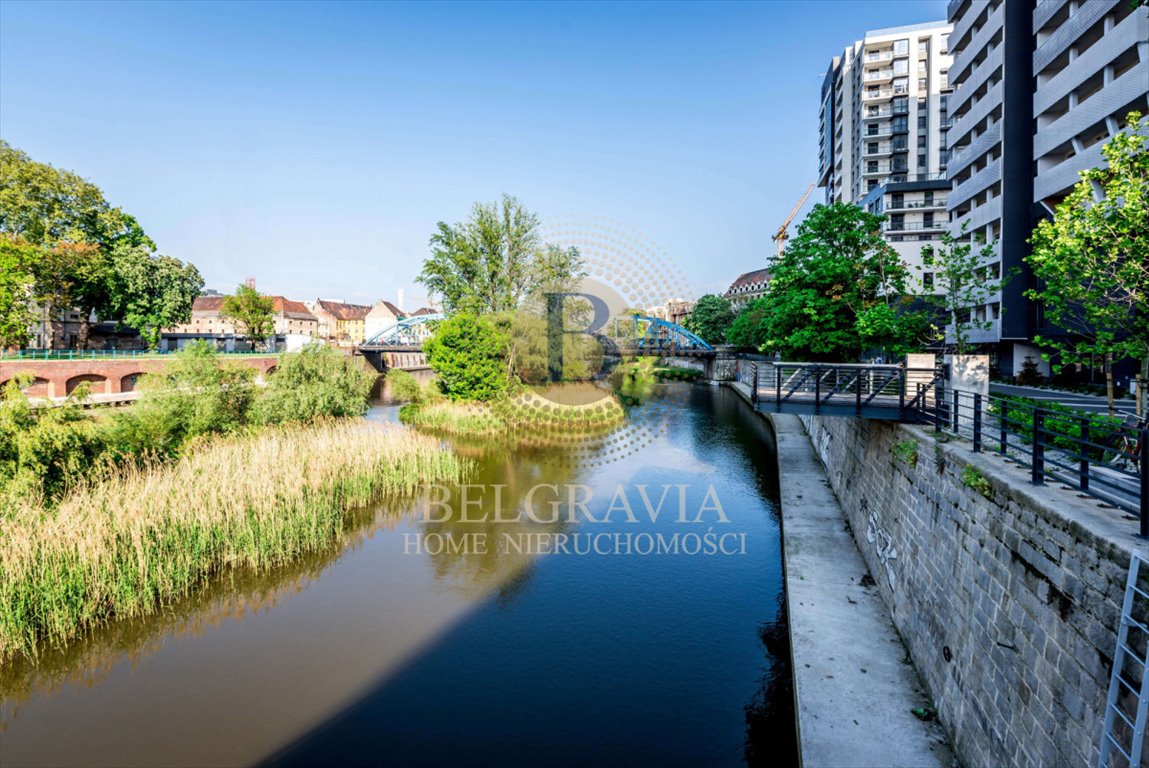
{"x":1007,"y":595}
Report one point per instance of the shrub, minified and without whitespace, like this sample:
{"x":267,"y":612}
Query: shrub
{"x":404,"y":387}
{"x":469,"y":356}
{"x":314,"y":382}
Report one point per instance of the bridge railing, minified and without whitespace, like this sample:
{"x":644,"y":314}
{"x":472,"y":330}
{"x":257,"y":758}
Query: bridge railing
{"x":107,"y":354}
{"x":883,"y":391}
{"x":1099,"y":456}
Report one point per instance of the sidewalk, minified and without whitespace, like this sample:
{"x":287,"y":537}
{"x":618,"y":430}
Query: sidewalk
{"x":854,"y":684}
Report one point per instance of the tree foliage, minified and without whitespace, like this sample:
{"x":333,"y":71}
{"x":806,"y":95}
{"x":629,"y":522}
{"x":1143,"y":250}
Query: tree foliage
{"x":150,"y":292}
{"x":469,"y":355}
{"x":961,"y":283}
{"x":748,"y":328}
{"x":91,"y":256}
{"x":838,"y":291}
{"x":710,"y":319}
{"x":1092,"y":259}
{"x":316,"y":381}
{"x":252,"y":313}
{"x":18,"y":263}
{"x":492,"y":262}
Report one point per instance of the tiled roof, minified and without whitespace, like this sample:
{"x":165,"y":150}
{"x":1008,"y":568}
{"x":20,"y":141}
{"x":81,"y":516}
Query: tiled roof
{"x":424,"y":311}
{"x":341,"y":311}
{"x":207,"y":303}
{"x":391,"y":308}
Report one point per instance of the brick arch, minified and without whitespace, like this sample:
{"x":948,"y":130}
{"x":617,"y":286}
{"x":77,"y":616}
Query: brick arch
{"x":37,"y":386}
{"x":130,"y":381}
{"x":99,"y":383}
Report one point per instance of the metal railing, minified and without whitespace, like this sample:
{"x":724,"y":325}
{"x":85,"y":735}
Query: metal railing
{"x":1101,"y":457}
{"x":106,"y":354}
{"x":873,"y":390}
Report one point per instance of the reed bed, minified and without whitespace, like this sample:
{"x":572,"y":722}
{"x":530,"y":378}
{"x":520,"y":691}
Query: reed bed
{"x":147,"y":536}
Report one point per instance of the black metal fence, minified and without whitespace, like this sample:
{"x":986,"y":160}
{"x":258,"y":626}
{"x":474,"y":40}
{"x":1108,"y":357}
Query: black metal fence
{"x":1102,"y":457}
{"x":874,"y":391}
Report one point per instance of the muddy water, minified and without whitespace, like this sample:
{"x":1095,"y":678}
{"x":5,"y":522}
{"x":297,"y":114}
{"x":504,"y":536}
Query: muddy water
{"x":408,"y":642}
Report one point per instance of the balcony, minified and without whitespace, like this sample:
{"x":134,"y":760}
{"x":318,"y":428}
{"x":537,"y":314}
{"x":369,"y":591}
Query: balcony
{"x":878,"y":75}
{"x":914,"y":226}
{"x":877,"y":113}
{"x":877,"y":57}
{"x":916,"y":205}
{"x":883,"y":148}
{"x":884,"y":93}
{"x":883,"y":132}
{"x":874,"y":169}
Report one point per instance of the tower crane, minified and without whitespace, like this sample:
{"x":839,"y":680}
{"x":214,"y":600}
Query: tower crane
{"x":782,"y":235}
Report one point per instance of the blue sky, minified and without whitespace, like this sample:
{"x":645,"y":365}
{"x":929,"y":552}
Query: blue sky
{"x":315,"y":146}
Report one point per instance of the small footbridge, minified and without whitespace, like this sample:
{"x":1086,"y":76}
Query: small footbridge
{"x":890,"y":392}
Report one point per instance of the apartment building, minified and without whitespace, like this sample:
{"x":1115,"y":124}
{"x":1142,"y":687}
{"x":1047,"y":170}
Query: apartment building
{"x":1038,"y":89}
{"x":883,"y":121}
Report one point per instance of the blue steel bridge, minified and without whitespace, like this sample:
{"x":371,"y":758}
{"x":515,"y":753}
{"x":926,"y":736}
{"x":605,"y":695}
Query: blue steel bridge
{"x":400,"y":345}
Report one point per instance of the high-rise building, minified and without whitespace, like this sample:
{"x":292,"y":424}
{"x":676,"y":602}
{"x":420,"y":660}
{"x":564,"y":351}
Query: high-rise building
{"x":883,"y":121}
{"x":1038,"y":89}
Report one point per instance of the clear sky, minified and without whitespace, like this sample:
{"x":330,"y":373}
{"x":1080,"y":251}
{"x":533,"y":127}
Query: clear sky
{"x":315,"y":146}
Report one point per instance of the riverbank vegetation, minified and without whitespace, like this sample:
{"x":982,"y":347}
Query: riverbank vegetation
{"x":45,"y":451}
{"x":148,"y":533}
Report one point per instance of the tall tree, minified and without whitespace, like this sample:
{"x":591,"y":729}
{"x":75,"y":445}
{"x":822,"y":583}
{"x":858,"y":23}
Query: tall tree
{"x":838,"y":291}
{"x":960,"y":284}
{"x":150,"y":292}
{"x":711,"y":318}
{"x":61,"y":211}
{"x":252,"y":313}
{"x":494,"y":260}
{"x":1092,"y":261}
{"x":18,"y":262}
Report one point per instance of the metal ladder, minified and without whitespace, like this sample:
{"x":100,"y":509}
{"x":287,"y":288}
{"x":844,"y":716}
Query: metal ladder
{"x":1111,"y":747}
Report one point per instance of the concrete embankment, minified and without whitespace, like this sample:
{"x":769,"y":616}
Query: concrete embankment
{"x":855,"y":686}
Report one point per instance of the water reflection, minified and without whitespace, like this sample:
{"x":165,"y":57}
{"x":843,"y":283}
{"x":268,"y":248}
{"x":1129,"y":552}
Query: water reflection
{"x":376,"y":651}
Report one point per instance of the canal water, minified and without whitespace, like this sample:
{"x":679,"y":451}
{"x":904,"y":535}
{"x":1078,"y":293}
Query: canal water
{"x":439,"y":634}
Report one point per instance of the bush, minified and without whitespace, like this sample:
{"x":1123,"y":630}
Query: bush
{"x":469,"y":356}
{"x":1062,"y":424}
{"x":44,"y":451}
{"x":314,"y":382}
{"x":404,"y":387}
{"x":198,"y":394}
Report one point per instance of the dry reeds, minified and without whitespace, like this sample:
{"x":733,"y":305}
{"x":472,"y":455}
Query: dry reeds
{"x":129,"y":544}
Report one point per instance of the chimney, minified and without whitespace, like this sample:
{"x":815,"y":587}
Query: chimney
{"x":250,"y":283}
{"x":399,"y":302}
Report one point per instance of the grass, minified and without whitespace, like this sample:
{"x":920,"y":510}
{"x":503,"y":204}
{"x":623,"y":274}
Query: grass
{"x":148,"y":536}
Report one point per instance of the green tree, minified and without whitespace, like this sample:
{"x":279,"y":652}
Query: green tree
{"x":961,"y":283}
{"x":252,"y":313}
{"x":68,"y":216}
{"x":710,"y":319}
{"x":748,"y":329}
{"x":314,"y":382}
{"x":1091,"y":261}
{"x":149,"y":292}
{"x":494,"y":260}
{"x":468,"y":354}
{"x":838,"y":291}
{"x":18,"y":262}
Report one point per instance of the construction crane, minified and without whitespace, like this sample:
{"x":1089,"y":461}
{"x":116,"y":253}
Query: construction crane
{"x":782,"y":235}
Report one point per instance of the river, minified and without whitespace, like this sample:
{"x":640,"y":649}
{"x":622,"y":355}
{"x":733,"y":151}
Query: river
{"x":410,"y":643}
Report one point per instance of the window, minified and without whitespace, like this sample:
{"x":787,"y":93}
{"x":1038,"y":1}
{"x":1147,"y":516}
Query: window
{"x":872,"y":148}
{"x":921,"y":83}
{"x":928,"y":198}
{"x":902,"y":67}
{"x":921,"y":163}
{"x":928,"y":280}
{"x":924,"y":45}
{"x":928,"y":220}
{"x":901,"y":47}
{"x":898,"y":200}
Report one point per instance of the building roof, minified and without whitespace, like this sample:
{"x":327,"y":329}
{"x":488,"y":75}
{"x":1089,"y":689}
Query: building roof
{"x":390,"y":307}
{"x":296,"y":310}
{"x":750,"y":280}
{"x":424,"y":311}
{"x":342,"y":311}
{"x":207,"y":303}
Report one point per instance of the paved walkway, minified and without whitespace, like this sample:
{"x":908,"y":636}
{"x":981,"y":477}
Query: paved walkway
{"x":854,"y":684}
{"x":1082,"y":402}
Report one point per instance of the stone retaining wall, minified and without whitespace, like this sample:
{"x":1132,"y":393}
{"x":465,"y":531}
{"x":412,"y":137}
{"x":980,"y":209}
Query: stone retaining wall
{"x":1006,"y":594}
